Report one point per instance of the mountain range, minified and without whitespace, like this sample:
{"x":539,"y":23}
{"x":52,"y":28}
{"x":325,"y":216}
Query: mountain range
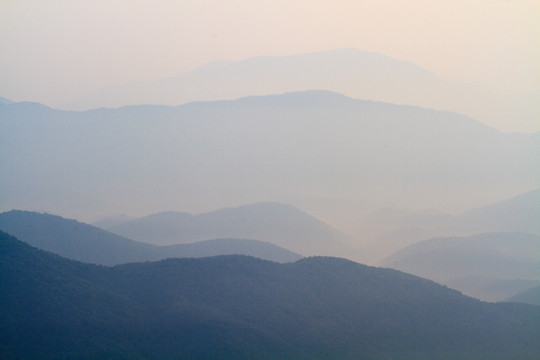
{"x":401,"y":160}
{"x":303,"y":145}
{"x":356,"y":73}
{"x":89,"y":244}
{"x":529,"y":296}
{"x":490,"y":266}
{"x":280,"y":224}
{"x":237,"y":307}
{"x":389,"y":230}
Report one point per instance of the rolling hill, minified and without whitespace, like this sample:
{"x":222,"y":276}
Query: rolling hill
{"x":237,"y":307}
{"x":89,"y":244}
{"x":490,"y":266}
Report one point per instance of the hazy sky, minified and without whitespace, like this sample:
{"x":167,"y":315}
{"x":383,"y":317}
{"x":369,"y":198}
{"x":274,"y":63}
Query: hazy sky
{"x":56,"y":50}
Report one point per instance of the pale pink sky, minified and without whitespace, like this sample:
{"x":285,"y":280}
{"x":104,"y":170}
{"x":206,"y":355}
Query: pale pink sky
{"x":56,"y":50}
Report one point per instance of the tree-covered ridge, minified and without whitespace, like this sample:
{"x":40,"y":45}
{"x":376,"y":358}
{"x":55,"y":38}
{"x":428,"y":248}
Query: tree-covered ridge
{"x":238,"y":307}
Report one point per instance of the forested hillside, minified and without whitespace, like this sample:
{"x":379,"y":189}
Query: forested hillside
{"x":237,"y":307}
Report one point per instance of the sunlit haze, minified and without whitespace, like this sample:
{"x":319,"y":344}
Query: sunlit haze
{"x":479,"y":59}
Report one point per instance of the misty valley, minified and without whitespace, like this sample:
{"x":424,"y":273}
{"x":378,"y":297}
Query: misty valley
{"x":257,"y":210}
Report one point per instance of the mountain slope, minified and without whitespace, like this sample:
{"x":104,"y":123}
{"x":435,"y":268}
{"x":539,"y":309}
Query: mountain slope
{"x":240,"y":307}
{"x":72,"y":239}
{"x":86,"y":243}
{"x":488,"y":266}
{"x":280,"y":224}
{"x":228,"y":246}
{"x":52,"y":307}
{"x":202,"y":156}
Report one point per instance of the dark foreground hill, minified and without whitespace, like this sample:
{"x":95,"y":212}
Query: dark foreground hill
{"x":86,"y":243}
{"x":237,"y":307}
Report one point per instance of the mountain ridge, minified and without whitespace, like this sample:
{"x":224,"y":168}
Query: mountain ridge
{"x":394,"y":229}
{"x":89,"y":244}
{"x":354,"y":72}
{"x":241,"y":307}
{"x":280,"y":224}
{"x":253,"y":66}
{"x":530,"y":296}
{"x":340,"y":148}
{"x":490,"y":266}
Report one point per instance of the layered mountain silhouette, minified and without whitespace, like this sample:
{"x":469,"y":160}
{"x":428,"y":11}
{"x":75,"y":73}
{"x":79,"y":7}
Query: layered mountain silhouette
{"x":487,"y":266}
{"x":313,"y":144}
{"x":356,"y":73}
{"x":516,"y":214}
{"x":529,"y":296}
{"x":89,"y":244}
{"x":353,"y":72}
{"x":237,"y":307}
{"x":280,"y":224}
{"x":393,"y":229}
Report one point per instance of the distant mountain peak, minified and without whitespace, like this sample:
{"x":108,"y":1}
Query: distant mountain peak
{"x":352,"y":71}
